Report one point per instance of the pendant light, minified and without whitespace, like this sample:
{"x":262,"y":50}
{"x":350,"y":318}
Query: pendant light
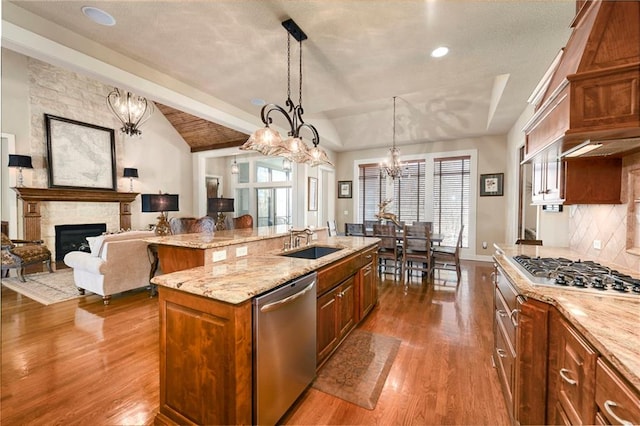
{"x":268,"y":141}
{"x":234,"y":167}
{"x":132,"y":110}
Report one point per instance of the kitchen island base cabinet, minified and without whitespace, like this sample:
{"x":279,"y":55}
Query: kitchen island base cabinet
{"x":205,"y":360}
{"x":571,"y":374}
{"x":336,"y":318}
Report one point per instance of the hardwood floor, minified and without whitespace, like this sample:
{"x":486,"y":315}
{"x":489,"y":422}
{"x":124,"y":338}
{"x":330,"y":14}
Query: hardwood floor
{"x":80,"y":362}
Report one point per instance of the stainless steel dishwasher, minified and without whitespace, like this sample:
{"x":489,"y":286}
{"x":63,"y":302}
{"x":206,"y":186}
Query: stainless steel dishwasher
{"x":284,"y":339}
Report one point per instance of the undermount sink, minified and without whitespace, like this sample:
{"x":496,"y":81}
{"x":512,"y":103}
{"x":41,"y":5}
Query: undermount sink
{"x":314,"y":252}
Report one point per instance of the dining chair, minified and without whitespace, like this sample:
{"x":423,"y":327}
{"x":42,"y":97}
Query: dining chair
{"x":416,"y":250}
{"x":428,"y":225}
{"x":354,"y":229}
{"x":368,"y":227}
{"x":447,"y":257}
{"x":332,"y":228}
{"x":244,"y":221}
{"x":388,"y":250}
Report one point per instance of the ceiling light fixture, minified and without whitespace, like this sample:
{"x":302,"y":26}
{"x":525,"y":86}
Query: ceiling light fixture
{"x":268,"y":141}
{"x":98,"y":16}
{"x":234,"y":167}
{"x":392,"y":166}
{"x":132,"y":110}
{"x":440,"y":52}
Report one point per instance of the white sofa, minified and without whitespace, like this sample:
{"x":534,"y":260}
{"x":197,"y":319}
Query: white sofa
{"x":117,"y":263}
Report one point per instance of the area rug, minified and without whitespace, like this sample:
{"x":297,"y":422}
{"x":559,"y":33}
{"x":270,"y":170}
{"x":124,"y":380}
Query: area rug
{"x":44,"y":287}
{"x":359,"y":368}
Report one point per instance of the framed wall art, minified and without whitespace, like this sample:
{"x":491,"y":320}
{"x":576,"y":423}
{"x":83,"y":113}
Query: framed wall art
{"x":491,"y":184}
{"x":80,"y":155}
{"x":344,"y":188}
{"x":313,"y":194}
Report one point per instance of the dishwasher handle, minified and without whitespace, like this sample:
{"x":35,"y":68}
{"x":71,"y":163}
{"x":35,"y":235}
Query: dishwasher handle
{"x":275,"y":305}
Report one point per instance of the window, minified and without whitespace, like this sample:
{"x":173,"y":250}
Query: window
{"x":451,"y":181}
{"x":407,"y":193}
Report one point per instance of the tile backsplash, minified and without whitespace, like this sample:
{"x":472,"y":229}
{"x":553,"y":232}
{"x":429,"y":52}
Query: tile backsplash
{"x":612,"y":225}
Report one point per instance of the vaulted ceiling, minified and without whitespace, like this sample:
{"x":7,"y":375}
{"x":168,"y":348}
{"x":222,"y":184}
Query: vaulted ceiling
{"x":224,"y":57}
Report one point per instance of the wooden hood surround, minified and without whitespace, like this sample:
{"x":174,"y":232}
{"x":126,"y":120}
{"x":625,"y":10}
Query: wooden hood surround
{"x":591,"y":93}
{"x":33,"y":197}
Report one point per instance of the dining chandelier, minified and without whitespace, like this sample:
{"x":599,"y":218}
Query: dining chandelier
{"x":268,"y":141}
{"x":392,"y":166}
{"x":132,"y":110}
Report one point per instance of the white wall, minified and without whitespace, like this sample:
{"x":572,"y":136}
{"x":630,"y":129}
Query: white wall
{"x":32,"y":88}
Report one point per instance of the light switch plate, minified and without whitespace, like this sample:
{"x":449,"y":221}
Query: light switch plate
{"x":597,"y":244}
{"x":241,"y":251}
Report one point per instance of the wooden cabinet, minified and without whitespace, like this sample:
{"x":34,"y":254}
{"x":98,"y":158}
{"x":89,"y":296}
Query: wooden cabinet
{"x":616,"y":401}
{"x":367,"y":293}
{"x":575,"y":181}
{"x":571,"y":375}
{"x":205,"y":360}
{"x":530,"y":396}
{"x":546,"y":179}
{"x":347,"y":292}
{"x":504,"y":334}
{"x":336,"y":317}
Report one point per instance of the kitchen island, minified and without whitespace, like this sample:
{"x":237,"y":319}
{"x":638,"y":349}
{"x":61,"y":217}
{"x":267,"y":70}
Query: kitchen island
{"x":206,"y":335}
{"x":569,"y":347}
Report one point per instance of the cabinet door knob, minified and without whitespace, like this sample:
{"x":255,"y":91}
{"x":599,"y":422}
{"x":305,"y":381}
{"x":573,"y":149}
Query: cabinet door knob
{"x":608,"y":404}
{"x":501,"y":353}
{"x":563,"y":375}
{"x":502,"y":313}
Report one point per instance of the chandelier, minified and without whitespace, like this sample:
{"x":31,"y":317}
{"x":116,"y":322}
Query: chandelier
{"x":392,"y":166}
{"x":132,"y":110}
{"x":268,"y":141}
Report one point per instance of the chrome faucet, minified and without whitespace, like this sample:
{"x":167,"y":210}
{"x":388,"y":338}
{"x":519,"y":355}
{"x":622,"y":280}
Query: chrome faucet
{"x":294,"y":237}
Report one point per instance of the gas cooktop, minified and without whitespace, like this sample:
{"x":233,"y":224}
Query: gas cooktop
{"x":586,"y":276}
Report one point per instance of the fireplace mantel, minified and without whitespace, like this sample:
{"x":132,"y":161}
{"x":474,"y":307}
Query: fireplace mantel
{"x":32,"y":197}
{"x":83,"y":195}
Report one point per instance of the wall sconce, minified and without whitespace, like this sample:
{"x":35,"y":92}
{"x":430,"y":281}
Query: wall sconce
{"x":234,"y":167}
{"x":20,"y":161}
{"x":162,"y":203}
{"x":216,"y":207}
{"x":130,"y":173}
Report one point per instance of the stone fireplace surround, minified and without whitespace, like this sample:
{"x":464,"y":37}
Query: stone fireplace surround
{"x":43,"y":208}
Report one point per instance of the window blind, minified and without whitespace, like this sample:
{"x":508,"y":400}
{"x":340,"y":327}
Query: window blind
{"x":451,"y":183}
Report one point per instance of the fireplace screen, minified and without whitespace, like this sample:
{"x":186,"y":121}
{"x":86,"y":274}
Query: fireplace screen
{"x":73,"y":237}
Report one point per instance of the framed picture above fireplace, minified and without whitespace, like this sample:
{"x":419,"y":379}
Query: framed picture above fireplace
{"x":80,"y":155}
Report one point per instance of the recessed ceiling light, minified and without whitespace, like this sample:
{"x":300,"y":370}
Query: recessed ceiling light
{"x":98,"y":16}
{"x":258,"y":101}
{"x":440,"y":52}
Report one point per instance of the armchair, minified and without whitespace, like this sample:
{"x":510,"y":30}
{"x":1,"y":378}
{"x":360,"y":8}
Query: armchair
{"x":16,"y":254}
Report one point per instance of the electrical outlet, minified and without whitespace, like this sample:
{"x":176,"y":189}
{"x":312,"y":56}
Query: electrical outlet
{"x":219,"y":255}
{"x":346,"y":212}
{"x":597,"y":244}
{"x":484,"y":245}
{"x":241,"y":251}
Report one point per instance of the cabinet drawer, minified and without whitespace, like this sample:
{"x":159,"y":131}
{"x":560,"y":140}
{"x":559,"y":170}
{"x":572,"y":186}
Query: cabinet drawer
{"x":330,"y":276}
{"x":616,"y":401}
{"x":504,"y":357}
{"x":576,"y":376}
{"x":504,"y":316}
{"x":509,"y":294}
{"x":367,"y":256}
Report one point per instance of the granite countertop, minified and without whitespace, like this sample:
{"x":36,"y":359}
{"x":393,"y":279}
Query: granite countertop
{"x":222,"y":238}
{"x":610,"y":323}
{"x":237,"y":280}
